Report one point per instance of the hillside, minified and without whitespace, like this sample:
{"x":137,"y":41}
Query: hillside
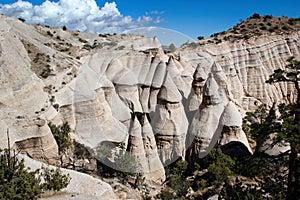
{"x":256,"y":26}
{"x":125,"y":92}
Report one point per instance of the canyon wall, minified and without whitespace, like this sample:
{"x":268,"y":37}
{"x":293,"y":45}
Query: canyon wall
{"x":125,"y":90}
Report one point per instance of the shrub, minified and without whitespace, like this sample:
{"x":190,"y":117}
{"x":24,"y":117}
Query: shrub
{"x":285,"y":28}
{"x":56,"y":106}
{"x":246,"y":37}
{"x":220,"y":166}
{"x":46,"y":72}
{"x":268,"y":16}
{"x":271,"y":30}
{"x":21,"y":19}
{"x":54,"y":179}
{"x":166,"y":195}
{"x":214,"y":34}
{"x":172,"y":47}
{"x":263,"y":28}
{"x":125,"y":164}
{"x":291,"y":21}
{"x":255,"y":16}
{"x":237,"y":191}
{"x":49,"y":33}
{"x":87,"y":47}
{"x":218,"y":41}
{"x":80,"y":151}
{"x":18,"y":183}
{"x":82,"y":40}
{"x":177,"y":177}
{"x":61,"y":135}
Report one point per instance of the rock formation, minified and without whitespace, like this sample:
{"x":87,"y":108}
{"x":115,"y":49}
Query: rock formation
{"x":124,"y":89}
{"x":81,"y":186}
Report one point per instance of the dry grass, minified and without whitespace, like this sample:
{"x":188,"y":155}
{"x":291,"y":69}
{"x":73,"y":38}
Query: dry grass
{"x":40,"y":62}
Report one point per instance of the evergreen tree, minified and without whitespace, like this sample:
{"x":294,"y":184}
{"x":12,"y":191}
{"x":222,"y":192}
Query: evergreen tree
{"x":261,"y":124}
{"x":290,"y":127}
{"x":172,"y":47}
{"x":61,"y":136}
{"x":283,"y":127}
{"x":19,"y":183}
{"x":15,"y":181}
{"x":220,"y":166}
{"x":177,"y":178}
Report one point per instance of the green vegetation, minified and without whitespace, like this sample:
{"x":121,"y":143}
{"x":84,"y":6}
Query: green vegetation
{"x":177,"y":178}
{"x":82,"y":40}
{"x":54,"y":179}
{"x":220,"y":166}
{"x":39,"y":60}
{"x":281,"y":125}
{"x":80,"y":151}
{"x":49,"y":33}
{"x":45,"y":72}
{"x":255,"y":16}
{"x":72,"y":153}
{"x":165,"y":194}
{"x":208,"y":179}
{"x":125,"y":165}
{"x":289,"y":129}
{"x":172,"y":47}
{"x":259,"y":176}
{"x":61,"y":136}
{"x":18,"y":182}
{"x":237,"y":192}
{"x":200,"y":37}
{"x":254,"y":26}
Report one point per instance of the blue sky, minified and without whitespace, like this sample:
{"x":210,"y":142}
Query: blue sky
{"x":196,"y":17}
{"x":192,"y":18}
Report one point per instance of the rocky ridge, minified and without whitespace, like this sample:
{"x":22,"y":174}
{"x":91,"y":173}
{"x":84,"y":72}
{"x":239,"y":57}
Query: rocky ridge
{"x":124,"y":89}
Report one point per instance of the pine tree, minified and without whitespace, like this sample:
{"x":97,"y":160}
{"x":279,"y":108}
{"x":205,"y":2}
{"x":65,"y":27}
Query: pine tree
{"x":290,"y":127}
{"x":20,"y":183}
{"x":61,"y":136}
{"x":172,"y":47}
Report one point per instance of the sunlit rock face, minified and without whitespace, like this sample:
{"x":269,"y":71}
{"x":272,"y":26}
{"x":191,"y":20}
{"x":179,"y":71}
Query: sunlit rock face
{"x":124,"y":89}
{"x":232,"y":133}
{"x":143,"y":146}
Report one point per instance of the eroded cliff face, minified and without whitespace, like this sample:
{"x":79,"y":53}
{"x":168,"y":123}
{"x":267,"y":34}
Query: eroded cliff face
{"x":125,"y":90}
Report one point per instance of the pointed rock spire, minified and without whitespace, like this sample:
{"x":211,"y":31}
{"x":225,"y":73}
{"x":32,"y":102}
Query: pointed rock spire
{"x":159,"y":75}
{"x":156,"y":169}
{"x":200,"y":74}
{"x":231,"y":116}
{"x":169,"y":91}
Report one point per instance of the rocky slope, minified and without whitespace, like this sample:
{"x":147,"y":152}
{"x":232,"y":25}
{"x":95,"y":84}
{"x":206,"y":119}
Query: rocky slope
{"x":125,"y":90}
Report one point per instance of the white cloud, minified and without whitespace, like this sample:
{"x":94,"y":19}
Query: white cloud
{"x":155,"y":12}
{"x":82,"y":15}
